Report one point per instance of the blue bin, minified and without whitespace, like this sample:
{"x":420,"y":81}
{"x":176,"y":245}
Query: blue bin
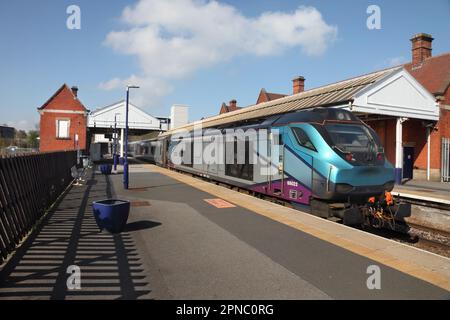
{"x":105,"y":168}
{"x":111,"y":214}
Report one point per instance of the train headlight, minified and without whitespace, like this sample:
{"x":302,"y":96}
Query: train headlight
{"x":343,"y":188}
{"x":349,"y":157}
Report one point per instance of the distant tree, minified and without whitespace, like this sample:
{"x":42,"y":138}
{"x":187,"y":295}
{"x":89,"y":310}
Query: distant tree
{"x":21,"y":134}
{"x":32,"y":140}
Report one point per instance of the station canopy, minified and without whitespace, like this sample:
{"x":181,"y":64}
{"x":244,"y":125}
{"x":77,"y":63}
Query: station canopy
{"x":390,"y":92}
{"x":104,"y":119}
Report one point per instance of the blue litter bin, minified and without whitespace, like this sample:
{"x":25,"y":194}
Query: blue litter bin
{"x":111,"y":214}
{"x":105,"y":168}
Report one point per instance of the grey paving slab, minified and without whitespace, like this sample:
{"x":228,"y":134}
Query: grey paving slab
{"x":111,"y":267}
{"x":180,"y":247}
{"x":331,"y":269}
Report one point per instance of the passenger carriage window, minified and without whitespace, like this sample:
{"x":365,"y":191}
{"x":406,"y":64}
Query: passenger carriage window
{"x":303,"y":139}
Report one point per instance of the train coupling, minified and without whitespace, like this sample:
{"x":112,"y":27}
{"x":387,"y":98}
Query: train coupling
{"x":385,"y":211}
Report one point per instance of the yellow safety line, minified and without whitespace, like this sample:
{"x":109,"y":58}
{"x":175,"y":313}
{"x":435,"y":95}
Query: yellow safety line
{"x":411,"y":269}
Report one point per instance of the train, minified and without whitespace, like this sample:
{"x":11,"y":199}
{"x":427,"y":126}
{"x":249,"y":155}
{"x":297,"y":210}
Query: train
{"x":325,"y":160}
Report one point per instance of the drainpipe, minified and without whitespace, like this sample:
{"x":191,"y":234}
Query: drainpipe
{"x":428,"y":152}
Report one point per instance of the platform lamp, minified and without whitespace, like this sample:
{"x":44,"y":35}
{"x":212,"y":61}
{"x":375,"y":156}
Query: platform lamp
{"x":125,"y":162}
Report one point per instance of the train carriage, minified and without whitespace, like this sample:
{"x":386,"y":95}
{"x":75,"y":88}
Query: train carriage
{"x":324,"y":158}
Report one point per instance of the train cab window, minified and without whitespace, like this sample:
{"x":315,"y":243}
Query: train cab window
{"x":303,"y":139}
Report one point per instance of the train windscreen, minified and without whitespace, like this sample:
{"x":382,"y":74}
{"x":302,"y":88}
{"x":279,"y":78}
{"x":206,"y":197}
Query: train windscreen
{"x":356,"y":142}
{"x":349,"y":138}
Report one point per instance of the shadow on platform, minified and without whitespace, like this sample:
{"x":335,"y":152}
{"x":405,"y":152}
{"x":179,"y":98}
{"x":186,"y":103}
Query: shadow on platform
{"x":110,"y":265}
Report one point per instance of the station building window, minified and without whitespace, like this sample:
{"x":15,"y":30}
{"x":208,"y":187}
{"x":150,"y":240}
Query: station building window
{"x":62,"y":128}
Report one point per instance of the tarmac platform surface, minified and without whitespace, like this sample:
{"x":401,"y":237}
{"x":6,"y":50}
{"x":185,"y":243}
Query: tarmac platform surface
{"x":191,"y":239}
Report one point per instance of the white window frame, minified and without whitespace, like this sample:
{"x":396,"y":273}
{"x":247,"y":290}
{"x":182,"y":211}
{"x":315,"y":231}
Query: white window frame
{"x":68,"y":128}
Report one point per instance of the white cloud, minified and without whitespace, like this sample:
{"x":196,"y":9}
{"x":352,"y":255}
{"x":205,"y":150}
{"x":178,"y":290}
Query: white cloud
{"x":23,"y":124}
{"x":173,"y":39}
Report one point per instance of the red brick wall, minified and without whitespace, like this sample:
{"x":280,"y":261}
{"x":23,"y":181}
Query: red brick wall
{"x":386,"y":131}
{"x":414,"y":134}
{"x":261,"y":97}
{"x":63,"y":100}
{"x":49,"y":140}
{"x":444,"y":122}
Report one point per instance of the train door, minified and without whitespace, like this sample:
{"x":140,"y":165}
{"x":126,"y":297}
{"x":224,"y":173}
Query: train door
{"x":165,"y":152}
{"x":276,"y":172}
{"x":210,"y":150}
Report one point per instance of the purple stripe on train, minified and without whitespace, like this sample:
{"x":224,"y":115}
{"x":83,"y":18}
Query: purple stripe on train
{"x":292,"y":191}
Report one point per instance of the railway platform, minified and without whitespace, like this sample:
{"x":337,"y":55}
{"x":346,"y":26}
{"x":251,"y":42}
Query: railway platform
{"x":425,"y":190}
{"x":431,"y":203}
{"x":191,"y":239}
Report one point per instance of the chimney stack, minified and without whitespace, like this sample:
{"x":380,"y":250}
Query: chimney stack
{"x":298,"y":85}
{"x":75,"y":90}
{"x":233,"y":104}
{"x":421,"y":47}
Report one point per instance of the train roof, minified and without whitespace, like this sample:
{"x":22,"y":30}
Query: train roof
{"x":332,"y":94}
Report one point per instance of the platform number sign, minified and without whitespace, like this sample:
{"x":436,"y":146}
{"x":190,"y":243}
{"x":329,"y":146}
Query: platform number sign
{"x":74,"y":279}
{"x":374,"y":279}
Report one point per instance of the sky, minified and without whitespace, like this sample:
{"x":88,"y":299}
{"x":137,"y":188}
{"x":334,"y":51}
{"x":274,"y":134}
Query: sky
{"x":198,"y":53}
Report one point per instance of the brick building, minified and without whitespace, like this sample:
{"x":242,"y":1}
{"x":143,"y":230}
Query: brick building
{"x":422,"y":139}
{"x":265,"y":96}
{"x":419,"y":153}
{"x":63,"y":121}
{"x":232,"y":106}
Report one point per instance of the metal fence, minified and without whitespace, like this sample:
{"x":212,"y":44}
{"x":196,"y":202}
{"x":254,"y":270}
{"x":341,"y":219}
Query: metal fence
{"x":29,"y":185}
{"x":17,"y":151}
{"x":445,"y":161}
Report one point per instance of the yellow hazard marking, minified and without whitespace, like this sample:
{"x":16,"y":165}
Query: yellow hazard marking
{"x":220,"y":203}
{"x":280,"y":214}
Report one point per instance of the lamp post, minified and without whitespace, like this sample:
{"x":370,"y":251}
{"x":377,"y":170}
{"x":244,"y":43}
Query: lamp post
{"x":115,"y":142}
{"x":125,"y":162}
{"x":77,"y":146}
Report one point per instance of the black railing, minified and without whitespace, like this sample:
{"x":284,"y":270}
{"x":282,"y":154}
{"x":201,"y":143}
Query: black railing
{"x":29,"y":185}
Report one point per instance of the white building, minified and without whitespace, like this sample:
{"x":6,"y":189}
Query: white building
{"x":103,"y":122}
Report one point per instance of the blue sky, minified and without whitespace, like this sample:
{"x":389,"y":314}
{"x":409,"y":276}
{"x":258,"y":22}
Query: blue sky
{"x":38,"y":53}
